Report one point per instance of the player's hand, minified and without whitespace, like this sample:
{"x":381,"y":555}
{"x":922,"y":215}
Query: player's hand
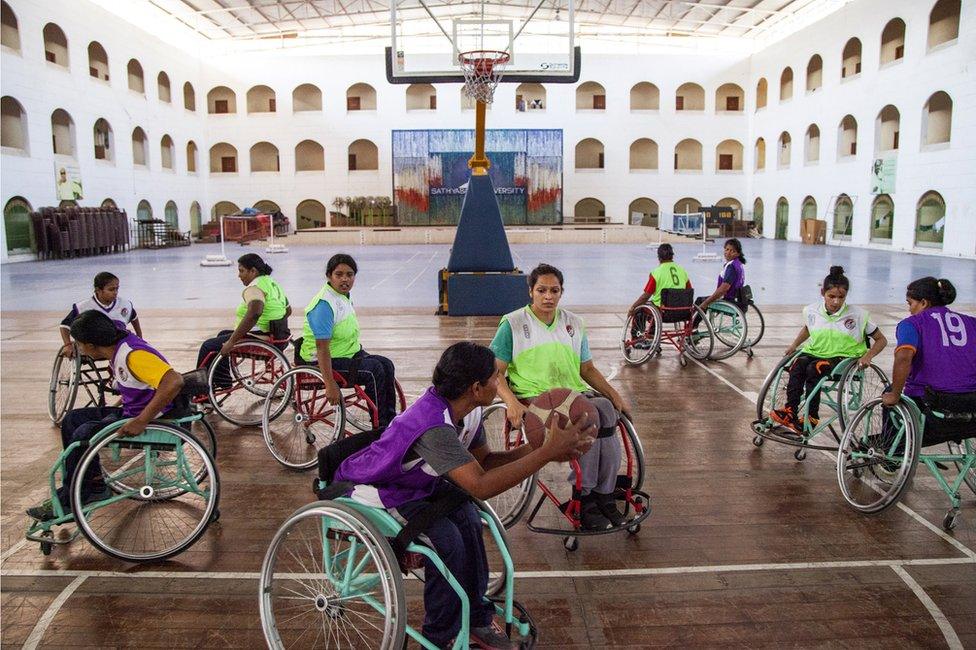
{"x":515,"y":412}
{"x":567,"y":443}
{"x":332,"y":392}
{"x":890,"y":398}
{"x":226,"y":348}
{"x":864,"y":361}
{"x":790,"y":350}
{"x":133,"y":427}
{"x":68,"y":351}
{"x":621,"y":403}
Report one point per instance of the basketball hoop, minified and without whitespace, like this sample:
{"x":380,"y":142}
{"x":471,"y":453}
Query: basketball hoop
{"x":483,"y":69}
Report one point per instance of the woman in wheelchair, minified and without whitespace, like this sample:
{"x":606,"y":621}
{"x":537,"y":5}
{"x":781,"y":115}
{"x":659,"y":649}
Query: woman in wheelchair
{"x":143,"y":378}
{"x":935,"y":360}
{"x":667,"y":275}
{"x":438,"y":442}
{"x":833,"y":331}
{"x":264,"y":307}
{"x":541,"y":347}
{"x":106,"y":300}
{"x":732,"y":278}
{"x":330,"y":338}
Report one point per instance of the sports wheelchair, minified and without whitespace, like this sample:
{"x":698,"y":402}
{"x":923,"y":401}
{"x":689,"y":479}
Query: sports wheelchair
{"x":842,"y":391}
{"x":70,"y":375}
{"x":336,"y":567}
{"x":512,"y":504}
{"x":237,"y":390}
{"x":881,"y":447}
{"x":737,"y":325}
{"x":166,"y":492}
{"x":690,"y":332}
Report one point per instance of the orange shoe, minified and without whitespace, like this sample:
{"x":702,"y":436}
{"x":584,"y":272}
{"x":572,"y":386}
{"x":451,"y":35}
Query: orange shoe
{"x":785,"y":417}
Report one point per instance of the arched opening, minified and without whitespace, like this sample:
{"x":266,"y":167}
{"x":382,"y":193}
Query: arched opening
{"x":762,"y":89}
{"x":267,"y":206}
{"x":843,"y":217}
{"x":305,"y":98}
{"x":195,"y":219}
{"x":264,"y":158}
{"x":814,"y":73}
{"x":144,"y":211}
{"x":730,"y":98}
{"x":645,"y":96}
{"x":223,"y":159}
{"x":851,"y":59}
{"x":163,"y":89}
{"x":591,"y":96}
{"x":893,"y":41}
{"x":363,"y":156}
{"x":643,"y":154}
{"x":168,"y":152}
{"x":686,"y":205}
{"x":13,"y":125}
{"x":930,"y":220}
{"x":757,"y":214}
{"x":309,"y":156}
{"x":809,"y":208}
{"x":104,"y":140}
{"x":728,"y":156}
{"x":140,"y":148}
{"x":171,"y":214}
{"x":689,"y":97}
{"x":589,"y":208}
{"x":468,"y":103}
{"x":530,"y":97}
{"x":421,"y":97}
{"x":189,"y":97}
{"x":310,"y":214}
{"x":782,"y":217}
{"x":221,"y":101}
{"x":759,"y":154}
{"x":886,"y":128}
{"x":55,"y":45}
{"x":97,"y":61}
{"x":109,"y":204}
{"x":785,"y":150}
{"x":786,"y":85}
{"x":644,"y":212}
{"x":261,"y":99}
{"x":937,"y":119}
{"x":882,"y":219}
{"x":847,"y":137}
{"x":63,"y":132}
{"x":191,"y":157}
{"x":17,"y":225}
{"x":9,"y":31}
{"x":136,"y":78}
{"x":688,"y":155}
{"x":811,"y":145}
{"x":944,"y":22}
{"x":589,"y":154}
{"x":222,"y":209}
{"x":732,"y":203}
{"x":361,"y":97}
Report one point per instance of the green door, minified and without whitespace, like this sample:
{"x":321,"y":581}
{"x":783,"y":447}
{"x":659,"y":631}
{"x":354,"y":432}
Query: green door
{"x":782,"y":219}
{"x":172,"y":218}
{"x":144,"y":211}
{"x":16,"y":222}
{"x":195,"y":219}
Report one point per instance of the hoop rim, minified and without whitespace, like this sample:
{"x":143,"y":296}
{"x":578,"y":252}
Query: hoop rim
{"x":472,"y":57}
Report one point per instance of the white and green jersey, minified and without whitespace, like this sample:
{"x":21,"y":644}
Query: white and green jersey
{"x":836,"y":335}
{"x":542,"y":357}
{"x":344,"y":342}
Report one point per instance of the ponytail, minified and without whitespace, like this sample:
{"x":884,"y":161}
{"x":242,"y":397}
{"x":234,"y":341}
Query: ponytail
{"x":254,"y":261}
{"x":939,"y":292}
{"x":836,"y":278}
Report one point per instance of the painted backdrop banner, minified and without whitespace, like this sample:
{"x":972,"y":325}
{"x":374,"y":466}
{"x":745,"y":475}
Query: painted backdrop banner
{"x":430,"y":174}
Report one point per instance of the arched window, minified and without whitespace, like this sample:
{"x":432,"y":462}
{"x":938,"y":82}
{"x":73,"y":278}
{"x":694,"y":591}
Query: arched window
{"x":13,"y":125}
{"x":757,"y":214}
{"x":305,"y":98}
{"x":310,"y":214}
{"x":97,"y":61}
{"x":144,"y":211}
{"x":689,"y":97}
{"x":814,"y":73}
{"x":760,"y":154}
{"x":937,"y":119}
{"x":530,"y":97}
{"x":109,"y":204}
{"x":730,"y":98}
{"x":589,"y":154}
{"x":221,"y":101}
{"x":140,"y":148}
{"x":785,"y":152}
{"x":851,"y":59}
{"x":167,"y":152}
{"x":843,"y":217}
{"x":309,"y":156}
{"x":893,"y":41}
{"x":786,"y":84}
{"x":811,"y":145}
{"x":361,"y":97}
{"x":886,"y":128}
{"x":189,"y":97}
{"x":163,"y":89}
{"x":589,"y":209}
{"x":17,"y":225}
{"x":261,"y":99}
{"x":930,"y":219}
{"x":267,"y":206}
{"x":9,"y":31}
{"x":809,"y":208}
{"x":55,"y":45}
{"x":882,"y":219}
{"x":264,"y":158}
{"x":644,"y":212}
{"x":223,"y":159}
{"x":643,"y":154}
{"x":63,"y":132}
{"x":762,"y":89}
{"x":421,"y":97}
{"x":104,"y":140}
{"x":944,"y":22}
{"x":172,"y":214}
{"x":847,"y":137}
{"x":191,"y":157}
{"x":728,"y":156}
{"x":688,"y":155}
{"x":135,"y":76}
{"x":686,"y":205}
{"x":591,"y":96}
{"x":782,"y":218}
{"x":363,"y":156}
{"x":645,"y":96}
{"x":222,"y":209}
{"x":195,"y":219}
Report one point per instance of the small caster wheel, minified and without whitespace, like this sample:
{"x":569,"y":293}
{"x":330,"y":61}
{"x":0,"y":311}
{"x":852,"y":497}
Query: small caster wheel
{"x":682,"y":361}
{"x":215,"y":516}
{"x":633,"y":530}
{"x":857,"y":472}
{"x":758,"y":441}
{"x":949,"y":521}
{"x":657,"y":351}
{"x":750,"y":353}
{"x":570,"y":544}
{"x":46,"y":548}
{"x":800,"y":454}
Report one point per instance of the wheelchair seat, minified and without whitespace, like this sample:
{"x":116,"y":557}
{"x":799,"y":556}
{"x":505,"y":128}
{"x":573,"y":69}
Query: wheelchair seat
{"x":676,"y":305}
{"x":952,"y":406}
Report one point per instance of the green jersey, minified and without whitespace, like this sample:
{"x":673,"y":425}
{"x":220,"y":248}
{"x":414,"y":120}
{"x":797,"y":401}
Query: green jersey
{"x":667,"y":275}
{"x":275,"y":303}
{"x":345,"y":330}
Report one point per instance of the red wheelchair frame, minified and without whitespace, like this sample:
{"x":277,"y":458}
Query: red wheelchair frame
{"x":253,"y":350}
{"x":684,"y":317}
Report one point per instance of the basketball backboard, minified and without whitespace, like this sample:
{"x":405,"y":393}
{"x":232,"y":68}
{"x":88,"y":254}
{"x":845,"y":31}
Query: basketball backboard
{"x":428,"y":36}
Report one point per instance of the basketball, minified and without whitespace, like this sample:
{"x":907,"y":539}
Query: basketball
{"x":562,"y":403}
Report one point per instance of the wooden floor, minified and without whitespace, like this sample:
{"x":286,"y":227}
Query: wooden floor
{"x":745,"y":546}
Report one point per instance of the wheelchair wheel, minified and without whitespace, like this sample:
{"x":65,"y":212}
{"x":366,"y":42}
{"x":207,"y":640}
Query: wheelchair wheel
{"x":966,"y":448}
{"x":497,"y":570}
{"x":700,"y":344}
{"x":641,"y":335}
{"x":330,"y":571}
{"x":238,"y":393}
{"x":298,"y":420}
{"x":359,"y":411}
{"x":856,"y":387}
{"x":203,"y":431}
{"x":755,"y":326}
{"x":632,"y":466}
{"x":401,"y":398}
{"x":64,"y":385}
{"x":877,"y":456}
{"x":772,"y":395}
{"x":510,"y":505}
{"x":173,"y":494}
{"x":729,"y":326}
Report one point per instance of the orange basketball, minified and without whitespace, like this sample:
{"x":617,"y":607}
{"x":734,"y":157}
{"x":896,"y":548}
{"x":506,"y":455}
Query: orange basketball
{"x":558,"y":406}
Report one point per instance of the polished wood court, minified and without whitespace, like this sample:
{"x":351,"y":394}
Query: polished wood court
{"x":744,"y":547}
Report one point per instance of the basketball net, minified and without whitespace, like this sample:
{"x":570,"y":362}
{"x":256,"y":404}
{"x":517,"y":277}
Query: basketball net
{"x":482,"y":69}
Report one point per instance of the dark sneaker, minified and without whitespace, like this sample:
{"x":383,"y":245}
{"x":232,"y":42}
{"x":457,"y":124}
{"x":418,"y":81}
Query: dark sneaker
{"x":45,"y":511}
{"x":608,"y":508}
{"x":786,"y":418}
{"x":491,"y":637}
{"x":591,"y":518}
{"x":42,"y":512}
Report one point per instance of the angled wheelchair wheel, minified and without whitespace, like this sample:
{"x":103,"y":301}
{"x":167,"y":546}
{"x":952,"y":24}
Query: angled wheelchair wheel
{"x":632,"y":463}
{"x":401,"y":398}
{"x":298,"y":420}
{"x":203,"y":431}
{"x":63,"y":386}
{"x":360,"y":412}
{"x":772,"y":394}
{"x":497,"y":570}
{"x":755,"y":326}
{"x":510,"y":505}
{"x":170,"y":496}
{"x":967,"y":449}
{"x":641,"y":335}
{"x":856,"y":387}
{"x":330,"y":577}
{"x":877,"y":456}
{"x":701,"y":342}
{"x":239,"y":388}
{"x":729,"y":327}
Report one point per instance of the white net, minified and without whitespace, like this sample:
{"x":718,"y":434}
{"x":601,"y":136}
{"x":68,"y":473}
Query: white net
{"x":482,"y":71}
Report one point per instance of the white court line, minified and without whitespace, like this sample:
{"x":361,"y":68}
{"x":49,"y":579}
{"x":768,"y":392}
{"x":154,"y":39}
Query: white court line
{"x":950,"y":634}
{"x":404,"y":263}
{"x":52,"y":610}
{"x":13,"y":549}
{"x":422,"y":271}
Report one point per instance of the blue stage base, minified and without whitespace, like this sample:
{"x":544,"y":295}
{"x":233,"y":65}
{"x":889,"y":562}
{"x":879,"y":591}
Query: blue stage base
{"x":482,"y":294}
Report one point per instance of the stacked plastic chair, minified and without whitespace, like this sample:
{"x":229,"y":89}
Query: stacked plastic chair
{"x":77,"y":232}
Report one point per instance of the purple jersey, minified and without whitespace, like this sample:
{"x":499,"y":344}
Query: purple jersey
{"x":733,"y":273}
{"x":945,"y":351}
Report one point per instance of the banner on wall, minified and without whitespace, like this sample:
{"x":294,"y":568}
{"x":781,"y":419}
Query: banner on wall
{"x":883,"y":175}
{"x":430,"y":174}
{"x":67,"y":180}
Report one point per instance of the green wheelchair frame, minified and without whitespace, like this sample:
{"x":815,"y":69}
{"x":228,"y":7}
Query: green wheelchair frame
{"x":890,"y":461}
{"x":730,"y":329}
{"x":159,"y":435}
{"x":842,"y":391}
{"x":348,"y":577}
